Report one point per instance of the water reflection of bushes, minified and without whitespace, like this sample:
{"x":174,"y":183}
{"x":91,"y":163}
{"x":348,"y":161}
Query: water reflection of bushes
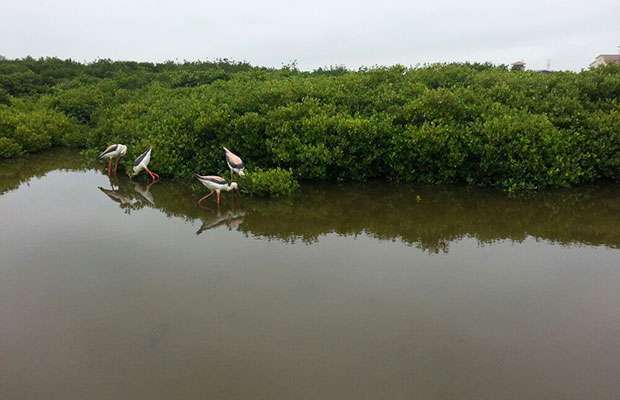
{"x":426,"y":217}
{"x":15,"y":172}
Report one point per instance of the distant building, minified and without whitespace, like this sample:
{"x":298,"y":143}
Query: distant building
{"x":605,"y":59}
{"x":518,"y":66}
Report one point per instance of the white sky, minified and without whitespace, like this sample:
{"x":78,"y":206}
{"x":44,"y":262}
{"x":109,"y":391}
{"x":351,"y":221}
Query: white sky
{"x":316,"y":33}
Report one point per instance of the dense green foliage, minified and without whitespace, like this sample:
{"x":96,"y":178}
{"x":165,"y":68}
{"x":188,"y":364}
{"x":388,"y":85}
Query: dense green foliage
{"x":455,"y":123}
{"x":272,"y":182}
{"x":31,"y":126}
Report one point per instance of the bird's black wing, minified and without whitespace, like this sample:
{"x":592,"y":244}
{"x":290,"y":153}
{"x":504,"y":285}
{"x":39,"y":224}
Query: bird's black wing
{"x":139,"y":159}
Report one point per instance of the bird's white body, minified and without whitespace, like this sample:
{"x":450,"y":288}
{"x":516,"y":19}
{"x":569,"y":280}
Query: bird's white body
{"x":235,"y":164}
{"x":114,"y":151}
{"x":142,"y":162}
{"x":215,"y":184}
{"x":238,"y":171}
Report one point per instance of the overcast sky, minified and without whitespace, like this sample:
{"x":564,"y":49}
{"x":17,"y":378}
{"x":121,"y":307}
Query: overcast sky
{"x":568,"y":34}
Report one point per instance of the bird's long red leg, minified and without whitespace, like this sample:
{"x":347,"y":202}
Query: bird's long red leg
{"x":152,"y":174}
{"x":116,"y":166}
{"x":109,"y":166}
{"x":204,"y":198}
{"x":218,"y":197}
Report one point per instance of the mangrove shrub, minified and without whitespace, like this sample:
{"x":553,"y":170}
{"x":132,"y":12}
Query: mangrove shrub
{"x":273,"y":182}
{"x":445,"y":123}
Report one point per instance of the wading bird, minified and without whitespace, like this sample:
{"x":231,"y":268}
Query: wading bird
{"x":215,"y":184}
{"x":115,"y":151}
{"x":142,"y":163}
{"x":234,"y":163}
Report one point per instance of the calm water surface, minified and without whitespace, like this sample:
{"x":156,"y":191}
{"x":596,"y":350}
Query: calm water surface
{"x":118,"y":290}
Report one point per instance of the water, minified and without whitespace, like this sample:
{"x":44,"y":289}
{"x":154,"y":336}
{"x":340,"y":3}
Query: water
{"x":343,"y":292}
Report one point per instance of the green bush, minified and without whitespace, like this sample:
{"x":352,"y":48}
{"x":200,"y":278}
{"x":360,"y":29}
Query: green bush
{"x":196,"y":78}
{"x":274,"y":182}
{"x":443,"y":123}
{"x":432,"y":153}
{"x":22,"y":83}
{"x":80,"y":103}
{"x":601,"y":148}
{"x":9,"y":148}
{"x":4,"y":97}
{"x":34,"y":128}
{"x":522,"y":151}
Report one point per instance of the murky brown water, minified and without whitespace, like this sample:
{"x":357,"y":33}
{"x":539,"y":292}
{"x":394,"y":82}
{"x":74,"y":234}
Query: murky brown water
{"x":344,"y":292}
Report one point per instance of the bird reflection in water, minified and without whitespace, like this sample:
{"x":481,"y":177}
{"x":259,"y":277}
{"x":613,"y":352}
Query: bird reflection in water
{"x":128,"y":199}
{"x":145,"y":191}
{"x":231,"y":218}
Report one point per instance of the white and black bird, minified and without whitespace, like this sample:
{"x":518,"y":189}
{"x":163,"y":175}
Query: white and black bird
{"x":235,"y":164}
{"x":115,"y":151}
{"x":215,"y":184}
{"x":142,"y":163}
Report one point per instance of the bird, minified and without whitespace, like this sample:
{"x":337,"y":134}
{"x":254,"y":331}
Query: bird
{"x":114,"y":151}
{"x":215,"y":184}
{"x":142,"y":163}
{"x":235,"y":164}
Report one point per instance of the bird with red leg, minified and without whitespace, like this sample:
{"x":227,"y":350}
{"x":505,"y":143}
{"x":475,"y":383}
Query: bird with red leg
{"x":215,"y":184}
{"x":142,"y":163}
{"x":113,"y":152}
